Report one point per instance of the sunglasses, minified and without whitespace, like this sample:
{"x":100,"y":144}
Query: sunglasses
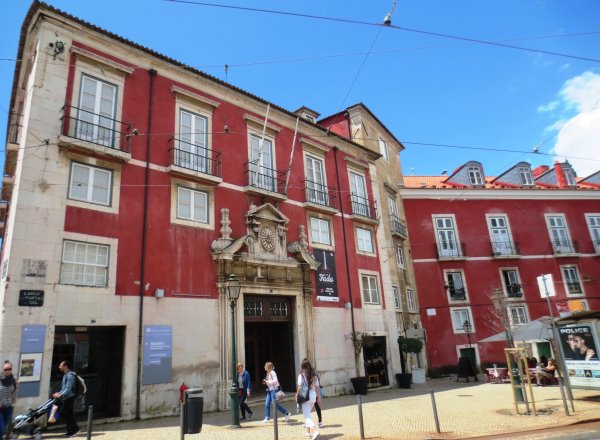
{"x":8,"y":369}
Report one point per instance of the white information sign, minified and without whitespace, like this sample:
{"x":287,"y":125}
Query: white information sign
{"x":546,"y":284}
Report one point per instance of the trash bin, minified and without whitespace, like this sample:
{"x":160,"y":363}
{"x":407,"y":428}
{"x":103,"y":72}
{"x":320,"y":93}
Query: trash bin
{"x":192,"y":416}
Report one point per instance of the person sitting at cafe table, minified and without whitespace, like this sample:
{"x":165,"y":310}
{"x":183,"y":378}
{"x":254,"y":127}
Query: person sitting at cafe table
{"x":546,"y":373}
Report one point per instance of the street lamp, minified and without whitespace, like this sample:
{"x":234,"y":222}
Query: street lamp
{"x":233,"y":287}
{"x":467,"y":327}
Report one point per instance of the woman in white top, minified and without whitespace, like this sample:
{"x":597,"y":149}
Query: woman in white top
{"x":308,"y":375}
{"x":272,"y":387}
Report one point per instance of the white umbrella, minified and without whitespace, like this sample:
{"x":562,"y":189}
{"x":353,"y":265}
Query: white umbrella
{"x":532,"y":331}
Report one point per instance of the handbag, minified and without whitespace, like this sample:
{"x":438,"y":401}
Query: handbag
{"x":303,"y":393}
{"x":279,"y":394}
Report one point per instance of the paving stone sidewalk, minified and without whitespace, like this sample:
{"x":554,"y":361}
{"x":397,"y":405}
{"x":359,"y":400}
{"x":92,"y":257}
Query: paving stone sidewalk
{"x":465,"y":410}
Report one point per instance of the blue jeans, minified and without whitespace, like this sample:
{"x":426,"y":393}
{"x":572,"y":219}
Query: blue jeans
{"x":5,"y":418}
{"x":271,"y":397}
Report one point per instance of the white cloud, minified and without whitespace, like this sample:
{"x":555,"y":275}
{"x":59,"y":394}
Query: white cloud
{"x":578,"y":137}
{"x":548,"y":107}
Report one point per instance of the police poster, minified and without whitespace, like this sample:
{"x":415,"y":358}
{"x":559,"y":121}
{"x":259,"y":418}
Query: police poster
{"x":579,"y":344}
{"x":326,"y":277}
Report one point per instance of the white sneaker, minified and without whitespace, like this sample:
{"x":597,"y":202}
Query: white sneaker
{"x":315,"y":435}
{"x":320,"y":424}
{"x":287,"y":417}
{"x":266,"y":420}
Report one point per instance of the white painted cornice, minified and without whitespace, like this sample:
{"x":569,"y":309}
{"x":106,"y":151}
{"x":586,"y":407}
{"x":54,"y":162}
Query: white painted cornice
{"x":498,"y":194}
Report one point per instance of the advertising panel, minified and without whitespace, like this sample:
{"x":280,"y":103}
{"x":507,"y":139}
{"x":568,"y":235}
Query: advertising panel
{"x":326,"y":276}
{"x":579,"y":344}
{"x":158,"y":354}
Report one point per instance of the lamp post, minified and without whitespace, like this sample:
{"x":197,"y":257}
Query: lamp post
{"x":467,"y":327}
{"x":233,"y":293}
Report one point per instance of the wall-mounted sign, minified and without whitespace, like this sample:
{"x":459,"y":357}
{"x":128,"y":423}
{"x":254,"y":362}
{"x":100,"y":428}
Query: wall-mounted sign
{"x":33,"y":340}
{"x":31,"y":298}
{"x":326,"y":277}
{"x":158,"y":354}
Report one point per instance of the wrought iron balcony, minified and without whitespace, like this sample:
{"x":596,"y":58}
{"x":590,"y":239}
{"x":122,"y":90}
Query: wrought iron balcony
{"x":514,"y":291}
{"x":457,"y":294}
{"x":95,"y":128}
{"x":265,"y":178}
{"x":564,"y":246}
{"x":14,"y":128}
{"x":574,"y":288}
{"x":398,"y":226}
{"x":450,"y":249}
{"x":363,"y":207}
{"x":320,"y":194}
{"x":504,"y":248}
{"x":195,"y":158}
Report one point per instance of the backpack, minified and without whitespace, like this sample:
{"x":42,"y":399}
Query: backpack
{"x":80,"y":388}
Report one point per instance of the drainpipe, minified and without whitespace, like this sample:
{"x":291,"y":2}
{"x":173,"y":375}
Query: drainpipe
{"x":337,"y":175}
{"x":138,"y":396}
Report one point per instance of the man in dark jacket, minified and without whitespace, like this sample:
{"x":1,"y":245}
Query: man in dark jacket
{"x":245,"y":391}
{"x":67,"y":395}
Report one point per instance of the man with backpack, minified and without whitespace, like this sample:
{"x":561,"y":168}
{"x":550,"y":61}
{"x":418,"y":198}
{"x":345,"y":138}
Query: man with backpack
{"x":67,"y":394}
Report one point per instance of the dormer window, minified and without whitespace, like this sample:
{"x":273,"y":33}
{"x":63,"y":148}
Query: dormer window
{"x":570,"y":176}
{"x":525,"y":175}
{"x":309,"y":118}
{"x":475,"y":176}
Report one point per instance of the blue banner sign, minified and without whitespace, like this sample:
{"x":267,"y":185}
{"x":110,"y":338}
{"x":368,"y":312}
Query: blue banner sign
{"x":158,"y":354}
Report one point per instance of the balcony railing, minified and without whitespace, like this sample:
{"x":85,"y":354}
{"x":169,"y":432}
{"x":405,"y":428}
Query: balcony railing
{"x":398,"y":226}
{"x":363,"y":207}
{"x":574,"y":288}
{"x":514,"y":291}
{"x":265,"y":178}
{"x":14,"y":128}
{"x":450,"y":249}
{"x":564,"y":247}
{"x":504,"y":248}
{"x":457,"y":294}
{"x":95,"y":128}
{"x":195,"y":158}
{"x":320,"y":194}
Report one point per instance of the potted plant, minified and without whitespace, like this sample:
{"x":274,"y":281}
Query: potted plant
{"x":407,"y":346}
{"x":357,"y":339}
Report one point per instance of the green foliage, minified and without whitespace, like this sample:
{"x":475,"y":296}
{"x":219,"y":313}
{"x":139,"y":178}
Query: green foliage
{"x":412,"y":345}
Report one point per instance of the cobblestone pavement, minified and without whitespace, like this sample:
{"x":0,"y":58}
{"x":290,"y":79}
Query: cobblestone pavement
{"x":465,"y":410}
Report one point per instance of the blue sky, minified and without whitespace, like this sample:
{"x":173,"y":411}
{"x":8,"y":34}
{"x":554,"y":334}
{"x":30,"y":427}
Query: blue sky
{"x":424,"y":88}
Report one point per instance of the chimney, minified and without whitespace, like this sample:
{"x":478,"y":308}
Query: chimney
{"x":561,"y":179}
{"x":539,"y":171}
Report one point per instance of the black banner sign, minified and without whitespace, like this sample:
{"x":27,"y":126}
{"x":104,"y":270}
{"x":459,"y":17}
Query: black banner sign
{"x":326,"y":277}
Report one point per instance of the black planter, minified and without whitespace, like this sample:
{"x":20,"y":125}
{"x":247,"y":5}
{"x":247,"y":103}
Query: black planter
{"x":404,"y":380}
{"x":360,"y":384}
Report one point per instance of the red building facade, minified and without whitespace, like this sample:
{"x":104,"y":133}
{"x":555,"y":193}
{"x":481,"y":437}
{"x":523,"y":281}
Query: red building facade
{"x":473,"y":236}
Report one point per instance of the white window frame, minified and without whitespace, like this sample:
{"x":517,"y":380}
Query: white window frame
{"x":525,"y":176}
{"x":358,"y":193}
{"x":570,"y":176}
{"x":399,"y":251}
{"x":571,"y":269}
{"x":411,"y":300}
{"x":92,"y":171}
{"x":502,"y":270}
{"x":469,"y":317}
{"x":361,"y":240}
{"x":195,"y":195}
{"x":593,"y":222}
{"x":502,"y":242}
{"x":443,"y":249}
{"x":319,"y":222}
{"x":397,"y":300}
{"x":316,"y":179}
{"x":560,"y":244}
{"x":475,"y":175}
{"x":100,"y":123}
{"x":371,"y":295}
{"x":88,"y":267}
{"x":261,"y":166}
{"x":464,"y":283}
{"x":176,"y":184}
{"x":194,"y":153}
{"x":525,"y":314}
{"x":383,"y":148}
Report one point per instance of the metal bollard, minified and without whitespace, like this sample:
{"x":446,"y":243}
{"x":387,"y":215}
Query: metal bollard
{"x":360,"y":417}
{"x":89,"y":421}
{"x":275,"y":427}
{"x":435,"y":413}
